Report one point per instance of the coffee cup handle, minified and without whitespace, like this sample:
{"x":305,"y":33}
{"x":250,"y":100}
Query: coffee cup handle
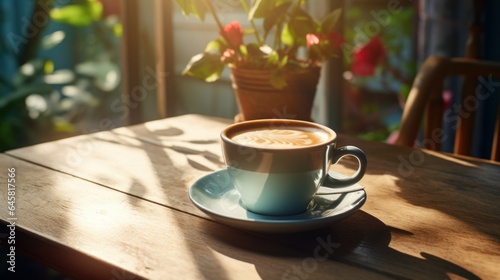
{"x":342,"y":184}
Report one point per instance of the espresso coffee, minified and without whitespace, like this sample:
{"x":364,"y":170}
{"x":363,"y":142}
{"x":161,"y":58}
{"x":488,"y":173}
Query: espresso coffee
{"x":288,"y":137}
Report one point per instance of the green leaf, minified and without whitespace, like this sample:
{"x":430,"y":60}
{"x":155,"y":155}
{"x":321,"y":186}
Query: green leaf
{"x":243,"y":50}
{"x":276,"y":16}
{"x":273,"y":59}
{"x":287,"y":35}
{"x":195,"y":7}
{"x":404,"y":91}
{"x":73,"y":15}
{"x":78,"y":15}
{"x":283,"y":62}
{"x":265,"y":8}
{"x":185,"y":6}
{"x":206,"y":66}
{"x":330,"y":21}
{"x":63,"y":125}
{"x":118,"y":30}
{"x":301,"y":25}
{"x":48,"y":67}
{"x":260,"y":9}
{"x":52,"y":40}
{"x":216,"y":46}
{"x":59,"y":77}
{"x":253,"y":49}
{"x":23,"y":92}
{"x":96,"y":9}
{"x":106,"y":74}
{"x":278,"y":78}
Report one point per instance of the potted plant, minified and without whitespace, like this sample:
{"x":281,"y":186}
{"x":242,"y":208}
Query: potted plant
{"x":274,"y":74}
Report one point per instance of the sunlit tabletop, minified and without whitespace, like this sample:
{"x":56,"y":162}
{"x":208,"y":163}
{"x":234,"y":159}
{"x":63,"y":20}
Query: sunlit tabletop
{"x":115,"y":205}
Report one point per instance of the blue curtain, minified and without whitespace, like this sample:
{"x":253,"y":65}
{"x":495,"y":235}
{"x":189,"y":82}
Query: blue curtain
{"x":15,"y":30}
{"x":485,"y":118}
{"x":443,"y":31}
{"x":13,"y":14}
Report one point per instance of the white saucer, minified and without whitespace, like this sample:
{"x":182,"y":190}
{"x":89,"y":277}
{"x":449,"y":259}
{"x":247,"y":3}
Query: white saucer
{"x":215,"y":195}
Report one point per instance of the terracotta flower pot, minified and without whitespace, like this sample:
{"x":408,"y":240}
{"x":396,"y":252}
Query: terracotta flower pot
{"x":258,"y":99}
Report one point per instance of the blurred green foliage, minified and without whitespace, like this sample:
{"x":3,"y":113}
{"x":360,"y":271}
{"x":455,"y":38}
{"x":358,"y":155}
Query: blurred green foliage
{"x":81,"y":14}
{"x":377,"y":99}
{"x":396,"y":30}
{"x":43,"y":101}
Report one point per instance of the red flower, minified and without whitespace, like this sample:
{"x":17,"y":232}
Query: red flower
{"x":233,"y":33}
{"x":368,"y":57}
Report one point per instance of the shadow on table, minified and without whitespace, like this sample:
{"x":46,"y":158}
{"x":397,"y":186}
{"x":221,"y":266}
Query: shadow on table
{"x":360,"y":241}
{"x":463,"y":189}
{"x":159,"y":158}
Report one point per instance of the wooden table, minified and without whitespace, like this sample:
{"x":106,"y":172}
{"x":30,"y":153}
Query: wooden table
{"x":114,"y":205}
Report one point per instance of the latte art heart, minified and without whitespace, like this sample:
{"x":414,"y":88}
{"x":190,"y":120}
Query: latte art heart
{"x":279,"y":138}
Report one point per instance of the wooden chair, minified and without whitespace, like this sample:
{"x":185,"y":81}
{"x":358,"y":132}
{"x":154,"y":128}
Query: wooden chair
{"x":426,"y":98}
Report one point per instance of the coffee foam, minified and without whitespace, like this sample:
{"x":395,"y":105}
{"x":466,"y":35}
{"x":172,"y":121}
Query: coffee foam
{"x":289,"y":137}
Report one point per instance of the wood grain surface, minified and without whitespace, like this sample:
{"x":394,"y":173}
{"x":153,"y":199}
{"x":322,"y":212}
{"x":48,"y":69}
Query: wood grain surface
{"x":116,"y":201}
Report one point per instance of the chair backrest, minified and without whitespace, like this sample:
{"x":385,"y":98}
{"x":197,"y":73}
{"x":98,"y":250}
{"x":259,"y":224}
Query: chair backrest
{"x":426,"y":98}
